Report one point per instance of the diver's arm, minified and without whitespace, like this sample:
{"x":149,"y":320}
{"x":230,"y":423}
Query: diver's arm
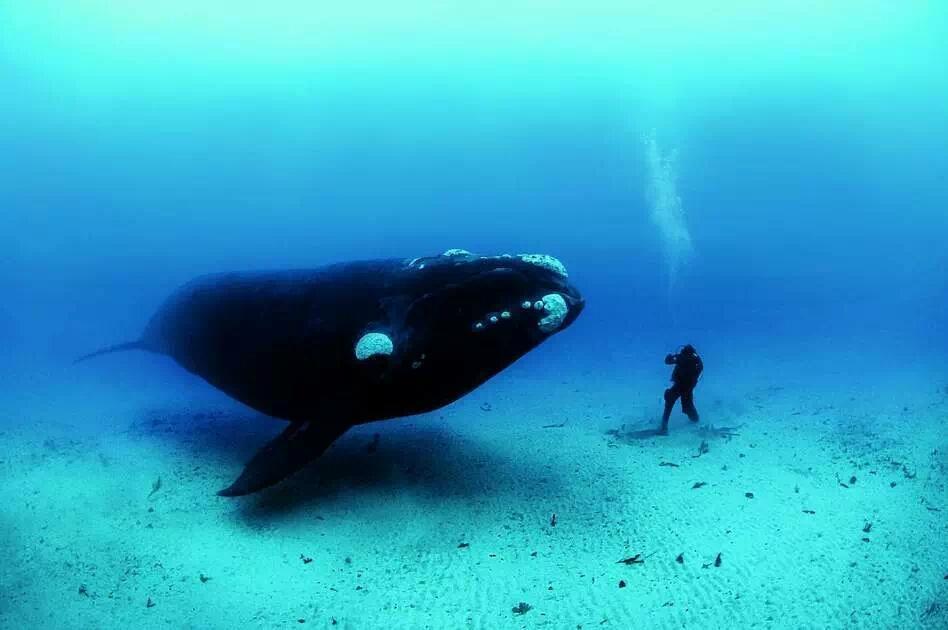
{"x":671,"y":359}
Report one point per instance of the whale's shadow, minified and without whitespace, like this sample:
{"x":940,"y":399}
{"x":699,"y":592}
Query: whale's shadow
{"x":417,"y":455}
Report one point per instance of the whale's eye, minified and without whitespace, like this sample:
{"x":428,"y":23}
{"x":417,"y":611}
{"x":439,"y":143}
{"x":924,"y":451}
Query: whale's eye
{"x":372,"y":345}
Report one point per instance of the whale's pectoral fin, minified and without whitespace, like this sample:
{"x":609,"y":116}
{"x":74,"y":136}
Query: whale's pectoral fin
{"x":300,"y":443}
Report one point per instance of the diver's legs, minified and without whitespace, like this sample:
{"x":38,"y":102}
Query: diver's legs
{"x":671,"y":395}
{"x":688,"y":405}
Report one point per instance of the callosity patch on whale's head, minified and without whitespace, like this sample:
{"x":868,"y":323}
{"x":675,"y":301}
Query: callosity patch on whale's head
{"x":454,"y":255}
{"x":556,"y":310}
{"x":373,"y":344}
{"x":547,"y":262}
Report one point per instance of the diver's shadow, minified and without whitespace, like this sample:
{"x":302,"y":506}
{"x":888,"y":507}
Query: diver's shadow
{"x":414,"y":455}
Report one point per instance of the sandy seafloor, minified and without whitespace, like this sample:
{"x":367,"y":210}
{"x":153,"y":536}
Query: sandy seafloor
{"x":447,"y":524}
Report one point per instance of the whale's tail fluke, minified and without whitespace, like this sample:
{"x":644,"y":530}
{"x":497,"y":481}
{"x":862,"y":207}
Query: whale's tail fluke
{"x":120,"y":347}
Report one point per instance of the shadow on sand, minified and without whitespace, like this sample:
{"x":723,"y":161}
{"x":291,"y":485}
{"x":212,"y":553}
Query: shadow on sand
{"x":408,"y":456}
{"x":636,"y":429}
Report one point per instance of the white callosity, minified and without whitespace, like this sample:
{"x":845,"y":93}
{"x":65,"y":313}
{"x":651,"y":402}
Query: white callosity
{"x":556,"y":310}
{"x":547,"y":262}
{"x":451,"y":253}
{"x":492,"y":319}
{"x":374,"y":344}
{"x":553,"y":306}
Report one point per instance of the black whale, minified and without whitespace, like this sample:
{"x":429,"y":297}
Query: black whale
{"x":356,"y":342}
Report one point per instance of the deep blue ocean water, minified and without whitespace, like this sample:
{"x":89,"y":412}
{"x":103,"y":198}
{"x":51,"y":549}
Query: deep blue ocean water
{"x":769,"y":183}
{"x":811,"y":171}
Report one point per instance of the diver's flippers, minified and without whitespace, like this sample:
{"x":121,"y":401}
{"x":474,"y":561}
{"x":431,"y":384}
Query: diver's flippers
{"x":300,"y":443}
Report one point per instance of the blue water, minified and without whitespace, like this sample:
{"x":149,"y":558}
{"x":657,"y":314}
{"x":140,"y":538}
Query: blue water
{"x":816,"y":201}
{"x":140,"y":147}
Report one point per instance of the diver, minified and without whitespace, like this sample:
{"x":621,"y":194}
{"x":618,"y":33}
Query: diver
{"x":688,"y":367}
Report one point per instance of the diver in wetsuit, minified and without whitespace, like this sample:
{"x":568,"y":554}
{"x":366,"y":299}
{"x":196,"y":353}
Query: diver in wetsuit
{"x":688,"y":367}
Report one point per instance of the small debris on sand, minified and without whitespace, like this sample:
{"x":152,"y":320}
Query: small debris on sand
{"x":720,"y":432}
{"x":702,"y":449}
{"x":155,"y":487}
{"x":636,"y":559}
{"x":716,"y":563}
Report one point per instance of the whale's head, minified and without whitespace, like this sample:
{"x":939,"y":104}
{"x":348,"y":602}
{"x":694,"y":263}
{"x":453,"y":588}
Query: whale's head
{"x":524,"y":295}
{"x":472,"y":316}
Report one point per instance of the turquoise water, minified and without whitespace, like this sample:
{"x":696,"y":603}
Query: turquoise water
{"x":765,"y":182}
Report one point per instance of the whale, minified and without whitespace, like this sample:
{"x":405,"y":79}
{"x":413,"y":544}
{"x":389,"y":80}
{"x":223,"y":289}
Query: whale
{"x":328,"y":348}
